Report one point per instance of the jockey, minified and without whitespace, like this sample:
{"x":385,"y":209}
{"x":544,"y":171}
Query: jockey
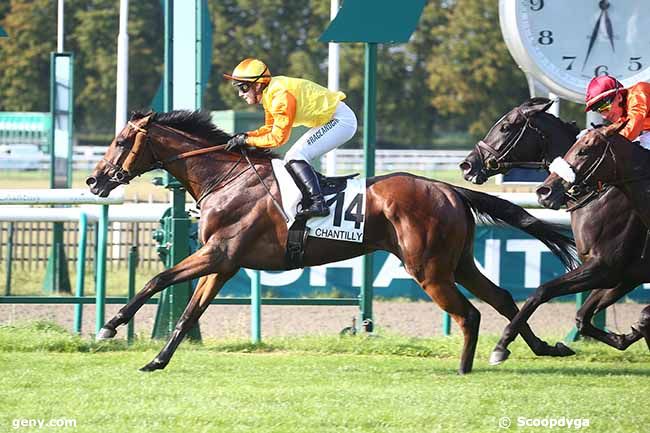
{"x":290,"y":102}
{"x":607,"y":96}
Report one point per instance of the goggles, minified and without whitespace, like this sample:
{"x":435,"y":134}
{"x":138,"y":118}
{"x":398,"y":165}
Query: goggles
{"x":242,"y":86}
{"x":603,"y":105}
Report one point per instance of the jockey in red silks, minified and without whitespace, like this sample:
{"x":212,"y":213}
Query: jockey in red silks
{"x":290,"y":102}
{"x":607,"y":96}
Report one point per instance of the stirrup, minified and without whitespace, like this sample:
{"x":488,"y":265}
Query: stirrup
{"x":317,"y":208}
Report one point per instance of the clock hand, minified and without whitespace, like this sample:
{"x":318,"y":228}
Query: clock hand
{"x":594,"y":34}
{"x":604,"y":5}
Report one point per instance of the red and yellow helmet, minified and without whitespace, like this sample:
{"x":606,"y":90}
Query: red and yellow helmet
{"x":250,"y":71}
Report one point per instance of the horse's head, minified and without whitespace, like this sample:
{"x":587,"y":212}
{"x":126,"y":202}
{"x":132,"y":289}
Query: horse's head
{"x":588,"y":164}
{"x":127,"y":156}
{"x":514,"y":137}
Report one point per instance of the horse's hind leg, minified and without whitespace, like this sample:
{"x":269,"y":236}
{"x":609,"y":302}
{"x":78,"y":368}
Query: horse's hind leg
{"x":501,"y":300}
{"x":643,"y":325}
{"x":202,"y":262}
{"x":448,"y":297}
{"x":597,"y":301}
{"x":205,"y":292}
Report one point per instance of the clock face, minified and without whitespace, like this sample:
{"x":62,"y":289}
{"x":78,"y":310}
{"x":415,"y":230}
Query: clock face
{"x":564,"y":44}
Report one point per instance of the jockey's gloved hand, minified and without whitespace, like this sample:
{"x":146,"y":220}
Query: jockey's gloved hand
{"x":236,"y":142}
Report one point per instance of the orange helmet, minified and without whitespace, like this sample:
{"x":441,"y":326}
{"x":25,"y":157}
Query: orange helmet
{"x":250,"y":71}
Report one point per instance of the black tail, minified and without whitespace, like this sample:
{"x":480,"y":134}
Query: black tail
{"x":493,"y":209}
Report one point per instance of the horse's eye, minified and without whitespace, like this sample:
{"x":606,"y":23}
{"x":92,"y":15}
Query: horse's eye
{"x":583,"y":151}
{"x":505,"y":127}
{"x":120,"y":143}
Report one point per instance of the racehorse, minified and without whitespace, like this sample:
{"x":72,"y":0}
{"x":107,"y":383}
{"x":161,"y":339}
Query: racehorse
{"x":604,"y":157}
{"x":429,"y":225}
{"x":530,"y":137}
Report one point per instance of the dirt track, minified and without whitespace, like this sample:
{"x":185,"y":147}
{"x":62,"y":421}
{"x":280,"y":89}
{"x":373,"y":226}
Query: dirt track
{"x":417,"y":319}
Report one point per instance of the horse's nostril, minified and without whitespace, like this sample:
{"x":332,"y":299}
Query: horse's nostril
{"x":465,"y":166}
{"x":90,"y":181}
{"x":543,"y":191}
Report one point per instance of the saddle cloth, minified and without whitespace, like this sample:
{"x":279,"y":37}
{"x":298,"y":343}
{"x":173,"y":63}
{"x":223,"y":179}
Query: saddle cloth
{"x":347,"y":205}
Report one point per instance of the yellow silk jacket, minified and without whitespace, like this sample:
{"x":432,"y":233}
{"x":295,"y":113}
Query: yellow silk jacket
{"x":290,"y":102}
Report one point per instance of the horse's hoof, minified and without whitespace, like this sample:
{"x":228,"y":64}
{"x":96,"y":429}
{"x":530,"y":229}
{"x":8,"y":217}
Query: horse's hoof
{"x":153,"y":366}
{"x":105,"y":334}
{"x":498,"y":356}
{"x":562,"y":350}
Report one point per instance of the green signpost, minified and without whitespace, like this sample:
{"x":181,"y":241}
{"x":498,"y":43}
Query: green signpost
{"x":379,"y":21}
{"x":61,"y":110}
{"x":187,"y":36}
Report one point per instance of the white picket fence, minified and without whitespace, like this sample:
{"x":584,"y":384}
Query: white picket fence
{"x":347,"y":160}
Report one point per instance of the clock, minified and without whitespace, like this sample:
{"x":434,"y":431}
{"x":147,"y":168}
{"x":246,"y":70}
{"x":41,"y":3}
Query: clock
{"x":563,"y":44}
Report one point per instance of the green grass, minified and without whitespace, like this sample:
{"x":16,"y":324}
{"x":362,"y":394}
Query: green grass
{"x":311,"y":384}
{"x":30,"y":282}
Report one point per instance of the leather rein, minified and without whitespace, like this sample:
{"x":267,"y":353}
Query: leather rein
{"x":584,"y":183}
{"x":122,"y":173}
{"x":498,"y":163}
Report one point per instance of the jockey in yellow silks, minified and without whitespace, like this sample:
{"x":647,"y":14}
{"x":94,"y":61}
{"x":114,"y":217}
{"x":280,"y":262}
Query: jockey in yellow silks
{"x":290,"y":102}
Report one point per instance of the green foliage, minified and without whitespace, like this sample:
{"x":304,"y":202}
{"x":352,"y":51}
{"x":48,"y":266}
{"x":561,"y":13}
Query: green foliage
{"x":25,"y":55}
{"x":455,"y":75}
{"x":472,"y":76}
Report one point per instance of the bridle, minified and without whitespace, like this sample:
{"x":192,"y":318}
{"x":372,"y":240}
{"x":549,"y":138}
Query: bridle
{"x":123,"y":171}
{"x":584,"y":181}
{"x":497,"y":161}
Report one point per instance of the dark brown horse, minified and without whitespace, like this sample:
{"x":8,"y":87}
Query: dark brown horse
{"x":429,"y":225}
{"x":530,"y":137}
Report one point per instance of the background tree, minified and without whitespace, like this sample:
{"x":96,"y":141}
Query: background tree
{"x":25,"y":55}
{"x":472,"y":76}
{"x":95,"y":44}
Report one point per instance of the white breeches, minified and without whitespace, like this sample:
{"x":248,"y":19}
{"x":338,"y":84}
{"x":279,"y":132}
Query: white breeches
{"x":644,"y":140}
{"x":319,"y":140}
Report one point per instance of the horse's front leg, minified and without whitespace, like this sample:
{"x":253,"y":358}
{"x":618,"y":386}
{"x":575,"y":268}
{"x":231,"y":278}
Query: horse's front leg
{"x":205,"y":292}
{"x":599,"y":300}
{"x":588,"y":276}
{"x":206,"y":260}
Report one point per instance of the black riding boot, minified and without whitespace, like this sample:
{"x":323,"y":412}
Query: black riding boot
{"x":305,"y":177}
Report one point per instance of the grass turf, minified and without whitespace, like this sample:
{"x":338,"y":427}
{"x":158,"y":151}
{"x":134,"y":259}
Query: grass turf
{"x":312,"y":384}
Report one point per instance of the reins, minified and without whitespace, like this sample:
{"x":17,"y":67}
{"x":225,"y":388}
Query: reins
{"x":497,"y":162}
{"x":123,"y":174}
{"x":268,"y":191}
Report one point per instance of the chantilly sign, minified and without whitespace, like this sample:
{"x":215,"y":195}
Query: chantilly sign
{"x":508,"y":257}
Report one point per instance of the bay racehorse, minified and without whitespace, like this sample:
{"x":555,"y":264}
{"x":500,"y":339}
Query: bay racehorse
{"x":529,"y":137}
{"x":429,"y":225}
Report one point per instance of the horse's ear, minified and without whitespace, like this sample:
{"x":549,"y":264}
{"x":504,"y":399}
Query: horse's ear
{"x":536,"y":105}
{"x":615,"y":128}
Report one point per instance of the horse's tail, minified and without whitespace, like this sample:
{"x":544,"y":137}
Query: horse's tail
{"x":492,"y":209}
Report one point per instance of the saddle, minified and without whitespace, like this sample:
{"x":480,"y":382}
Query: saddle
{"x":333,"y":184}
{"x":298,"y":232}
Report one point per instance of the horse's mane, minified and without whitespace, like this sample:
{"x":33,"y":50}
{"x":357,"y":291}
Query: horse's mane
{"x":570,"y":126}
{"x":199,"y":123}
